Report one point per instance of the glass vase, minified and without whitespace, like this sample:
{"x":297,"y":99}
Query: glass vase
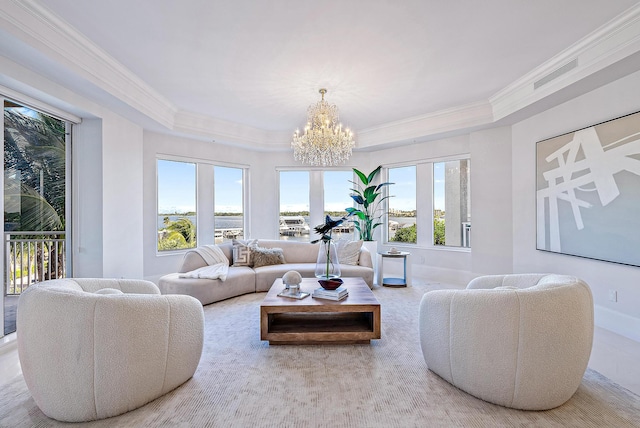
{"x":327,"y":265}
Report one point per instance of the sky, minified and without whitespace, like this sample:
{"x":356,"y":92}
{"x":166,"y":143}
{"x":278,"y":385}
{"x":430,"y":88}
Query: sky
{"x":177,"y":188}
{"x":403,"y":189}
{"x":228,"y":189}
{"x":294,"y":191}
{"x":438,"y":186}
{"x":337,"y":189}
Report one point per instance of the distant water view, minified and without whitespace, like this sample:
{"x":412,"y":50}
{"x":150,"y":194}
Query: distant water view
{"x":235,"y":222}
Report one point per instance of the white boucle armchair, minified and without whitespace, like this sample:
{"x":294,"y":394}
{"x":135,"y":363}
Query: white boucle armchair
{"x":520,"y":341}
{"x":95,"y":348}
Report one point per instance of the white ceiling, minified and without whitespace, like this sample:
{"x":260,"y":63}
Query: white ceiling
{"x":261,"y":63}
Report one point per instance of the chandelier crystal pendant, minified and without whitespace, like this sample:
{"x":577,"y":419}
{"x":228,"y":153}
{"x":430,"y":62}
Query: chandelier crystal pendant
{"x":324,"y":142}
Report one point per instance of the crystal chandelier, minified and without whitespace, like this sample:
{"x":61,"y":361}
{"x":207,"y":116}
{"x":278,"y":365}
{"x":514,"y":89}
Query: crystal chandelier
{"x":324,"y":142}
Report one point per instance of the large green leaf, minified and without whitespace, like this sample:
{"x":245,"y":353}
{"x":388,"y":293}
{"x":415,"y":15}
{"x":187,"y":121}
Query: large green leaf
{"x":370,"y":194}
{"x":358,"y":199}
{"x":381,"y":185}
{"x":362,"y":177}
{"x":373,"y":174}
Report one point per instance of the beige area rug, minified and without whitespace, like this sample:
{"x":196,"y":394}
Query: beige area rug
{"x":243,"y":382}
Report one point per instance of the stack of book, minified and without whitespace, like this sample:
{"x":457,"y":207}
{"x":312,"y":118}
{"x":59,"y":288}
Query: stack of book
{"x":337,"y":294}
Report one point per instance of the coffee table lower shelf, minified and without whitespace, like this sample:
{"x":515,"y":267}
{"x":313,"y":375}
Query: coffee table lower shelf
{"x":320,"y":328}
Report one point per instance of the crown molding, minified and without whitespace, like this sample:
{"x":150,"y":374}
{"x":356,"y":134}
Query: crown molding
{"x":225,"y":132}
{"x":412,"y":128}
{"x":30,"y":21}
{"x":617,"y":39}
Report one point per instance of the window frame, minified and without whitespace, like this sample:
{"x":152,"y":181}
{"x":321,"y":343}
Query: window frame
{"x":157,"y":204}
{"x":204,"y":170}
{"x":386,"y":207}
{"x":279,"y":172}
{"x":244,"y":174}
{"x":424,"y":203}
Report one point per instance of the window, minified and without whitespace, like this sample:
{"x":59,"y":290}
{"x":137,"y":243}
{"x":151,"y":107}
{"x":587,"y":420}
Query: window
{"x":228,"y":203}
{"x":176,"y":205}
{"x":337,"y":188}
{"x":294,"y":205}
{"x":36,"y":203}
{"x":452,"y":203}
{"x":402,"y":205}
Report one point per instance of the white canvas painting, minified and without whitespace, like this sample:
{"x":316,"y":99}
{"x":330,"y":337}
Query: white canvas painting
{"x":588,"y":192}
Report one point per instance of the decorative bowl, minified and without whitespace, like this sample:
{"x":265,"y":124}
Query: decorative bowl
{"x":330,"y":284}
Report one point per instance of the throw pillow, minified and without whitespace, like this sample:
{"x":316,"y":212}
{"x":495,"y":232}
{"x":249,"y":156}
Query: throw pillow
{"x":348,"y":251}
{"x":242,"y":252}
{"x":267,"y":256}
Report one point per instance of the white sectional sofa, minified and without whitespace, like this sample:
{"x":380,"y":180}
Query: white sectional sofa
{"x":299,"y":256}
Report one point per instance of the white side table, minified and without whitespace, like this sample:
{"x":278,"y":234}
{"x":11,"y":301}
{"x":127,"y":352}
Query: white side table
{"x":394,"y":282}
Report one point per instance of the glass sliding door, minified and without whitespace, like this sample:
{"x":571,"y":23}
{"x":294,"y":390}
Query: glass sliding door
{"x":35,"y":202}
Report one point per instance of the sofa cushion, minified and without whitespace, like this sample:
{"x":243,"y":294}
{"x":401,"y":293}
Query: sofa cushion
{"x":348,"y":251}
{"x":267,"y":256}
{"x":242,"y":252}
{"x":294,"y":252}
{"x":240,"y":280}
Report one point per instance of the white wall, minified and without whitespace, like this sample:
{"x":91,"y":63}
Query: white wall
{"x":107,"y":208}
{"x":122,"y":219}
{"x":608,"y":102}
{"x":491,"y":200}
{"x":87,"y":199}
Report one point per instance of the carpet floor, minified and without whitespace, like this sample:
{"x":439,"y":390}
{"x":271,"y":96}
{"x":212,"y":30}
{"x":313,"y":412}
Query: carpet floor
{"x":243,"y":382}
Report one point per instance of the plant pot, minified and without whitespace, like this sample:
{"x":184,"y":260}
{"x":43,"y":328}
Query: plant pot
{"x":372,"y":246}
{"x":330,"y":284}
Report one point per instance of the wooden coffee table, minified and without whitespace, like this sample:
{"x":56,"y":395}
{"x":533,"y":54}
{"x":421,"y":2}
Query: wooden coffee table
{"x":355,"y":319}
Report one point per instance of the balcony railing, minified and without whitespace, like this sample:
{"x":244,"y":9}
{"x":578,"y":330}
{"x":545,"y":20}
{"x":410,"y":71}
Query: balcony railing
{"x":33,"y":257}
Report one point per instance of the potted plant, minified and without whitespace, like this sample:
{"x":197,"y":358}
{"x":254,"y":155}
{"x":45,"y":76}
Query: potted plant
{"x":328,"y":265}
{"x":366,"y":196}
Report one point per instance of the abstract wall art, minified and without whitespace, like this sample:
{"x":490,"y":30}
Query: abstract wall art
{"x":588,"y":192}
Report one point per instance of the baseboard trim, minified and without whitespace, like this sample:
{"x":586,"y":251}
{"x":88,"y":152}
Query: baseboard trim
{"x":8,"y":343}
{"x":449,"y":276}
{"x":619,"y":323}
